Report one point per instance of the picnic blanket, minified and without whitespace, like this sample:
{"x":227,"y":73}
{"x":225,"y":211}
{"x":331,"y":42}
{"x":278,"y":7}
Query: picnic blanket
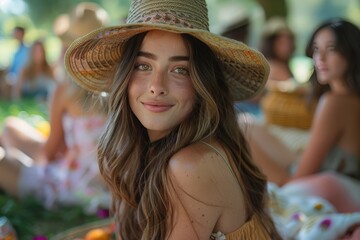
{"x":299,"y":217}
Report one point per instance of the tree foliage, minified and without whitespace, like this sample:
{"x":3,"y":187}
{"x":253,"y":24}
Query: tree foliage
{"x":274,"y":8}
{"x":44,"y":12}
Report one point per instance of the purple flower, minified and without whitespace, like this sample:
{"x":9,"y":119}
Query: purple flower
{"x":297,"y":216}
{"x":103,"y":213}
{"x":39,"y":237}
{"x":325,"y":224}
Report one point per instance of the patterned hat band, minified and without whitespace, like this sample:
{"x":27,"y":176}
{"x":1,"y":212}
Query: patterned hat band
{"x":177,"y":13}
{"x":168,"y":18}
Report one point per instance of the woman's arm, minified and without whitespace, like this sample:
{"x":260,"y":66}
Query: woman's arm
{"x":275,"y":170}
{"x":270,"y":154}
{"x":55,"y":144}
{"x":325,"y":133}
{"x":273,"y":158}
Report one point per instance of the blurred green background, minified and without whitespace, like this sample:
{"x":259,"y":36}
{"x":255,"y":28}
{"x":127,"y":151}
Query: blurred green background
{"x":38,"y":17}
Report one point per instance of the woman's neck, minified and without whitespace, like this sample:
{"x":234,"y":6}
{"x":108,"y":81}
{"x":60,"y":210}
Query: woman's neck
{"x":340,"y":87}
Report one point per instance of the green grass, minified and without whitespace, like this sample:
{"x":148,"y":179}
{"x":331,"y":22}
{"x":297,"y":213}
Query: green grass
{"x":29,"y":217}
{"x":27,"y":109}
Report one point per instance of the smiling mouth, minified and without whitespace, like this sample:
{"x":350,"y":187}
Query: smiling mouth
{"x":157,"y":107}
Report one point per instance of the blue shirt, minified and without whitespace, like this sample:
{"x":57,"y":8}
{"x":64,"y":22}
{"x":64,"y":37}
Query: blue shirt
{"x":20,"y":59}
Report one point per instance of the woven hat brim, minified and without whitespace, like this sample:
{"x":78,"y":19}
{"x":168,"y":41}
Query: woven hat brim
{"x":91,"y":59}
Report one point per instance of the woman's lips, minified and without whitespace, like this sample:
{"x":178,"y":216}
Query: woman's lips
{"x":156,"y":106}
{"x":321,"y":68}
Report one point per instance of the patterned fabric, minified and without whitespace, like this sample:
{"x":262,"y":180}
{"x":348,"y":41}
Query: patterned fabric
{"x":303,"y":217}
{"x":343,"y":162}
{"x":73,"y":178}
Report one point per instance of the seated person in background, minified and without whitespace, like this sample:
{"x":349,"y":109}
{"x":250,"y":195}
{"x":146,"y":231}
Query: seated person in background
{"x":36,"y":79}
{"x":20,"y":57}
{"x":283,"y":101}
{"x":60,"y":169}
{"x":277,"y":45}
{"x":329,"y":167}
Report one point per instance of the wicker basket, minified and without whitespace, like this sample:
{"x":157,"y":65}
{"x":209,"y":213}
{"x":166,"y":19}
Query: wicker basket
{"x":287,"y":108}
{"x":80,"y":231}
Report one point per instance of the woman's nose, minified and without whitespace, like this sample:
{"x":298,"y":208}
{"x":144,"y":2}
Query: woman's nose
{"x":319,"y":56}
{"x":158,"y":84}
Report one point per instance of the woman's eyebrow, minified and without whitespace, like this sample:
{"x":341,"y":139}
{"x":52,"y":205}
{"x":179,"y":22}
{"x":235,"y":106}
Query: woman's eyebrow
{"x":153,"y":56}
{"x":179,"y":58}
{"x":147,"y":55}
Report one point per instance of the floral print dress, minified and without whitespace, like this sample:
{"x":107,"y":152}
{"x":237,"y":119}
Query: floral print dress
{"x":73,"y":178}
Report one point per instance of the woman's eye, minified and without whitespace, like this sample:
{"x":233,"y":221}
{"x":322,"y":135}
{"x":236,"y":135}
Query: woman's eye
{"x":182,"y":71}
{"x":143,"y":67}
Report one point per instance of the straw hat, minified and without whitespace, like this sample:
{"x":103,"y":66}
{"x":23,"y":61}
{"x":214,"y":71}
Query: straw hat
{"x":275,"y":25}
{"x":82,"y":19}
{"x":91,"y":60}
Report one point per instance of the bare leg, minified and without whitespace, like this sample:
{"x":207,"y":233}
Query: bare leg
{"x":339,"y":190}
{"x":275,"y":172}
{"x":271,"y":147}
{"x":356,"y":234}
{"x":18,"y":134}
{"x":9,"y":174}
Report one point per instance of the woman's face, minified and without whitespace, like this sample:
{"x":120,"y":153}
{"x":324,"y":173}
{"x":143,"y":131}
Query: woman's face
{"x":284,"y":45}
{"x":330,"y":64}
{"x":38,"y":53}
{"x":161,"y":93}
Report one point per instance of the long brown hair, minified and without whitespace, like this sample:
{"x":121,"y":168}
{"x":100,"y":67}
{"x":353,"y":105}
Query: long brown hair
{"x":31,"y":70}
{"x":347,"y":36}
{"x":136,"y":169}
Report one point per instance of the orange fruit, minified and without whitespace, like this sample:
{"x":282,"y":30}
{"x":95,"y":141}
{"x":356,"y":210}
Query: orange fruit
{"x":43,"y":127}
{"x":97,"y":234}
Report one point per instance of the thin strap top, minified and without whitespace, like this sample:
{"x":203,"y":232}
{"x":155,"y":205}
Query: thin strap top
{"x":252,"y":229}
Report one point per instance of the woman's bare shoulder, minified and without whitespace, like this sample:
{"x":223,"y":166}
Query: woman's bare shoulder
{"x":205,"y":183}
{"x":192,"y":154}
{"x":336,"y":104}
{"x":197,"y":157}
{"x":338,"y":99}
{"x":201,"y":171}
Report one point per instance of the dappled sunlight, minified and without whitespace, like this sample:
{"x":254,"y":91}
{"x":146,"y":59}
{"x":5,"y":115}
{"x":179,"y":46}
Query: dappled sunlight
{"x":15,"y":7}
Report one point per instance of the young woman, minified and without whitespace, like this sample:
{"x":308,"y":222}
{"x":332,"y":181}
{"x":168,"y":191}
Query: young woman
{"x":36,"y":80}
{"x":172,"y":152}
{"x":278,"y":46}
{"x":59,"y":169}
{"x":334,"y":145}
